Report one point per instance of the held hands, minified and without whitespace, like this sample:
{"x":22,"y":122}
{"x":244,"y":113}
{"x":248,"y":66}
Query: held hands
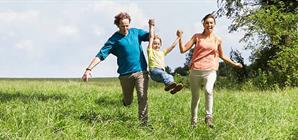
{"x":179,"y":33}
{"x":151,"y":22}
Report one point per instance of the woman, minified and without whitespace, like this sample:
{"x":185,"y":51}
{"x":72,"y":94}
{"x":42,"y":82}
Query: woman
{"x":204,"y":64}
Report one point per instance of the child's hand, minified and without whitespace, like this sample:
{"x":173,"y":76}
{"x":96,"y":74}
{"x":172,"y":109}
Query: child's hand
{"x":179,"y":33}
{"x":151,"y":22}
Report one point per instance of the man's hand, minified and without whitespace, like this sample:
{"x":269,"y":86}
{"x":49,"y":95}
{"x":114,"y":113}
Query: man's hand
{"x":86,"y":75}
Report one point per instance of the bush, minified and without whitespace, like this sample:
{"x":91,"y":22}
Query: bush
{"x":285,"y":67}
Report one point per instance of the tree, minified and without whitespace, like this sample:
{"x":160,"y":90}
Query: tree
{"x":271,"y":28}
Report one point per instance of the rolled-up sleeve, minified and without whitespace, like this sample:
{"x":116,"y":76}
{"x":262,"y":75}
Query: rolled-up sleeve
{"x":144,"y":36}
{"x":105,"y":50}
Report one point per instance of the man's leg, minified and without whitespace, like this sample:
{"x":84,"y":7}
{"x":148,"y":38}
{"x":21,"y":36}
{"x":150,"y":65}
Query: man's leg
{"x":127,"y":84}
{"x":142,"y":88}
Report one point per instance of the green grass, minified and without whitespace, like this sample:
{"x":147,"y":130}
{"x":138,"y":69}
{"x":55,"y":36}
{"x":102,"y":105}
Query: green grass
{"x":71,"y":109}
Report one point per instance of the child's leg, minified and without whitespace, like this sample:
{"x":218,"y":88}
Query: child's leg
{"x":167,"y":78}
{"x":156,"y":74}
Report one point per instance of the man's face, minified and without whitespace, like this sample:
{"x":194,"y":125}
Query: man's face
{"x":123,"y":26}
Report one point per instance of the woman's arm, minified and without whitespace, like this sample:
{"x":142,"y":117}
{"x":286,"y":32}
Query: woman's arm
{"x":188,"y":44}
{"x":226,"y":58}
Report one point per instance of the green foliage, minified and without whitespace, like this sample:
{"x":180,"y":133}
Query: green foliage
{"x":182,"y":79}
{"x":271,"y":33}
{"x":285,"y":67}
{"x":183,"y":71}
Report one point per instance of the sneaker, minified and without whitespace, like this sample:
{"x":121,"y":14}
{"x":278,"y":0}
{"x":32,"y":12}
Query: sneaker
{"x":208,"y":121}
{"x":177,"y":88}
{"x":170,"y":86}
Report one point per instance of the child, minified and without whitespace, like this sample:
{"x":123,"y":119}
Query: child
{"x":157,"y":63}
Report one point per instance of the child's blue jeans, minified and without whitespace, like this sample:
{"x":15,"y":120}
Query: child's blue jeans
{"x":159,"y":75}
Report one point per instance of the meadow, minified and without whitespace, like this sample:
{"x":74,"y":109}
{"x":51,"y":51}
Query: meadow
{"x":72,"y":109}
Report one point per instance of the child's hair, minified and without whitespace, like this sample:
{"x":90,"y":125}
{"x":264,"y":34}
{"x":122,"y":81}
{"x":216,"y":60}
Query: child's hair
{"x":208,"y":16}
{"x":157,"y":37}
{"x":120,"y":16}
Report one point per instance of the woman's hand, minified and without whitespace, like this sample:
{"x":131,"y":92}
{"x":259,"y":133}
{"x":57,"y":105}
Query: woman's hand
{"x":238,"y":65}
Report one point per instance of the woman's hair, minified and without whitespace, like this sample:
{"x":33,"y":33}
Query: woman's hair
{"x":208,"y":16}
{"x":120,"y":16}
{"x":157,"y":37}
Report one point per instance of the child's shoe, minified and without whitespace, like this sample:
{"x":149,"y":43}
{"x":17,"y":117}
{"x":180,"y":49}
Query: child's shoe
{"x":170,"y":86}
{"x":177,"y":88}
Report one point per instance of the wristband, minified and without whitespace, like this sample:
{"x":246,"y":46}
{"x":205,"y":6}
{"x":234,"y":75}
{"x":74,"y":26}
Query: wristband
{"x":88,"y":69}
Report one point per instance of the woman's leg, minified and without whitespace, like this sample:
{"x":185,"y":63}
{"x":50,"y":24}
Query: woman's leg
{"x":211,"y":78}
{"x":195,"y":86}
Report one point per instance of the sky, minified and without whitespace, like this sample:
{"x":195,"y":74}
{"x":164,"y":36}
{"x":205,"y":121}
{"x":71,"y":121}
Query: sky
{"x":59,"y":38}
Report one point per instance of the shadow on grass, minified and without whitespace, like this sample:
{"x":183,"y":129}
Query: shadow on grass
{"x":107,"y":101}
{"x":6,"y":97}
{"x":95,"y":117}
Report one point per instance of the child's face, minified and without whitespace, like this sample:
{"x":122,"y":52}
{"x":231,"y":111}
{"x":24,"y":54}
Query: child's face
{"x":156,"y":44}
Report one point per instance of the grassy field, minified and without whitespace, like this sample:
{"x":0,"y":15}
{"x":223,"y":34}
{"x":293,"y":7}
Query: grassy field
{"x":71,"y":109}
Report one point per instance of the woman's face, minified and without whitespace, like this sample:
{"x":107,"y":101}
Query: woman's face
{"x":124,"y":26}
{"x":209,"y":25}
{"x":156,"y":44}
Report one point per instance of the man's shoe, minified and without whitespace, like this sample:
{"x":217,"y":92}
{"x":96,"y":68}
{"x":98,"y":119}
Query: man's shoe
{"x":208,"y":121}
{"x":177,"y":88}
{"x":170,"y":86}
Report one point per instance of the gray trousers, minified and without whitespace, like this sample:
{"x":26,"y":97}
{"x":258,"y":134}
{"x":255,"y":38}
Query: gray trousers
{"x":138,"y":80}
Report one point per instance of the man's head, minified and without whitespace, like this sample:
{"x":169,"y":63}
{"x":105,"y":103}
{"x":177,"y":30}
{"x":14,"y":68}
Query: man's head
{"x":122,"y":20}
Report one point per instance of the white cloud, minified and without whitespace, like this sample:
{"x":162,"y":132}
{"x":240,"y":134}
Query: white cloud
{"x":98,"y":31}
{"x":25,"y":45}
{"x":18,"y":17}
{"x":68,"y":30}
{"x":110,"y":9}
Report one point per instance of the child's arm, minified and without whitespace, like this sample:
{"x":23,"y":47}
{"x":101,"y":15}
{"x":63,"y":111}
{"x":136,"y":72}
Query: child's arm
{"x":167,"y":50}
{"x":151,"y":32}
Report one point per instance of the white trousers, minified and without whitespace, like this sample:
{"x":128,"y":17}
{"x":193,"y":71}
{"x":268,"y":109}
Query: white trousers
{"x":201,"y":79}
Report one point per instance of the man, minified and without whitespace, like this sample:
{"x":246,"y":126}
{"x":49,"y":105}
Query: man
{"x":125,"y":44}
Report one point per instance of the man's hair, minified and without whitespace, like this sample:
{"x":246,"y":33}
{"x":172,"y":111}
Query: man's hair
{"x":121,"y":16}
